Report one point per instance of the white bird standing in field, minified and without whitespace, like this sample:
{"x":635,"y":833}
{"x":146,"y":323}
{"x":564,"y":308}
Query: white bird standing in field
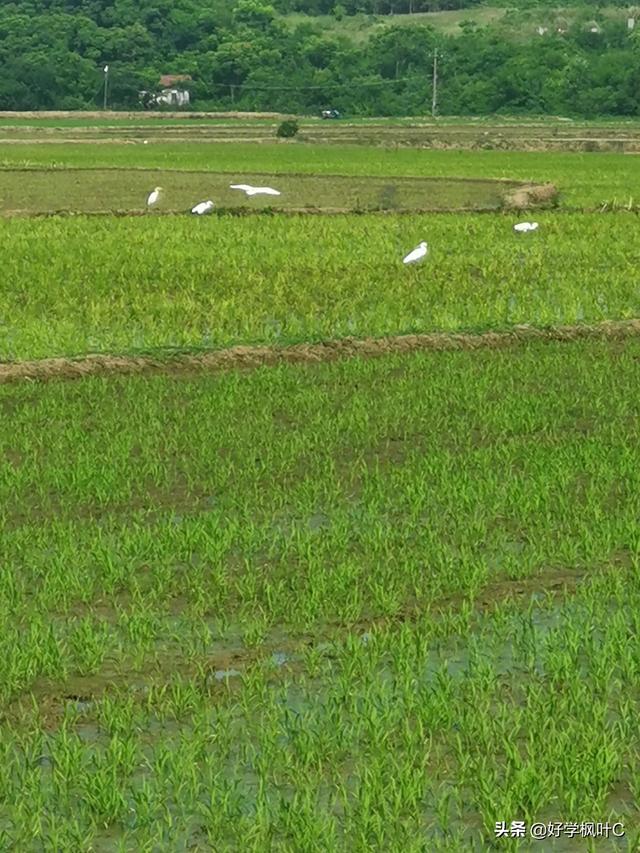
{"x":203,"y":207}
{"x":154,"y":196}
{"x":249,"y":190}
{"x":417,"y":255}
{"x":523,"y":227}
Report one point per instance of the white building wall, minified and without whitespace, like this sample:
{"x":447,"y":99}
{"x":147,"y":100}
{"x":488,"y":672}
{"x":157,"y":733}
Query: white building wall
{"x":173,"y":98}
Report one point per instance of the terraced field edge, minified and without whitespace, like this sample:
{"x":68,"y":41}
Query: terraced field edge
{"x":306,"y":353}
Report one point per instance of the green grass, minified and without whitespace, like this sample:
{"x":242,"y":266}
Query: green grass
{"x":360,"y":28}
{"x":72,"y":285}
{"x":330,"y":533}
{"x":42,"y":191}
{"x":584,"y":179}
{"x":511,"y":23}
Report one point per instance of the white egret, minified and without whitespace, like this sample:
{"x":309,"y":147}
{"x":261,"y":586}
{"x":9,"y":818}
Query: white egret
{"x":203,"y":207}
{"x":417,"y":255}
{"x":523,"y":227}
{"x":154,"y":196}
{"x":249,"y":190}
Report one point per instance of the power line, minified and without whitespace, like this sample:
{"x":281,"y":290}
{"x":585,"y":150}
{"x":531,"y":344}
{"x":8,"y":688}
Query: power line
{"x":258,"y":87}
{"x":434,"y":99}
{"x":106,"y":82}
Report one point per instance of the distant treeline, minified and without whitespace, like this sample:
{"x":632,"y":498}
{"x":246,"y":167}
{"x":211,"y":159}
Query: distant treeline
{"x":241,"y":55}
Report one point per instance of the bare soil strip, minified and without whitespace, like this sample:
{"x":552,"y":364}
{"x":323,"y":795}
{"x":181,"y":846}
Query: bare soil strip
{"x":76,"y":171}
{"x":306,"y":353}
{"x":249,"y":211}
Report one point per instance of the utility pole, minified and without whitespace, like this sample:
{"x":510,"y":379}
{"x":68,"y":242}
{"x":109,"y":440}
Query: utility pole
{"x":106,"y":81}
{"x":434,"y":100}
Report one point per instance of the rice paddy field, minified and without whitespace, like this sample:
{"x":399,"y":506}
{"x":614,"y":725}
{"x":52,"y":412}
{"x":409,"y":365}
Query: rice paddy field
{"x":43,"y":191}
{"x":585,"y":180}
{"x":369,"y":604}
{"x":71,"y":285}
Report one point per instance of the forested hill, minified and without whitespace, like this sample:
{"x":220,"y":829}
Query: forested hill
{"x":248,"y":55}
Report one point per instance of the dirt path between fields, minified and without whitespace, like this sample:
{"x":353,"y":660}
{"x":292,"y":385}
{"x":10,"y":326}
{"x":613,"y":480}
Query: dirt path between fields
{"x":88,"y":115}
{"x":305,"y":353}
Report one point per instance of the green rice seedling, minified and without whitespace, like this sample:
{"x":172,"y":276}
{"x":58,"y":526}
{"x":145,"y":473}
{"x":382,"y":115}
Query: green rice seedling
{"x":68,"y":759}
{"x":122,"y":753}
{"x":299,"y":822}
{"x":140,"y":626}
{"x":181,"y":699}
{"x":314,"y":660}
{"x":117,"y":714}
{"x":316,"y":285}
{"x":101,"y":794}
{"x":503,"y":523}
{"x":89,"y":642}
{"x":254,"y":633}
{"x":632,"y":839}
{"x":147,"y":802}
{"x":224,"y":807}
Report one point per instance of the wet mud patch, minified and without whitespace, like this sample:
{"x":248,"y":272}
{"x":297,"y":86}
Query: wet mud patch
{"x":284,"y":652}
